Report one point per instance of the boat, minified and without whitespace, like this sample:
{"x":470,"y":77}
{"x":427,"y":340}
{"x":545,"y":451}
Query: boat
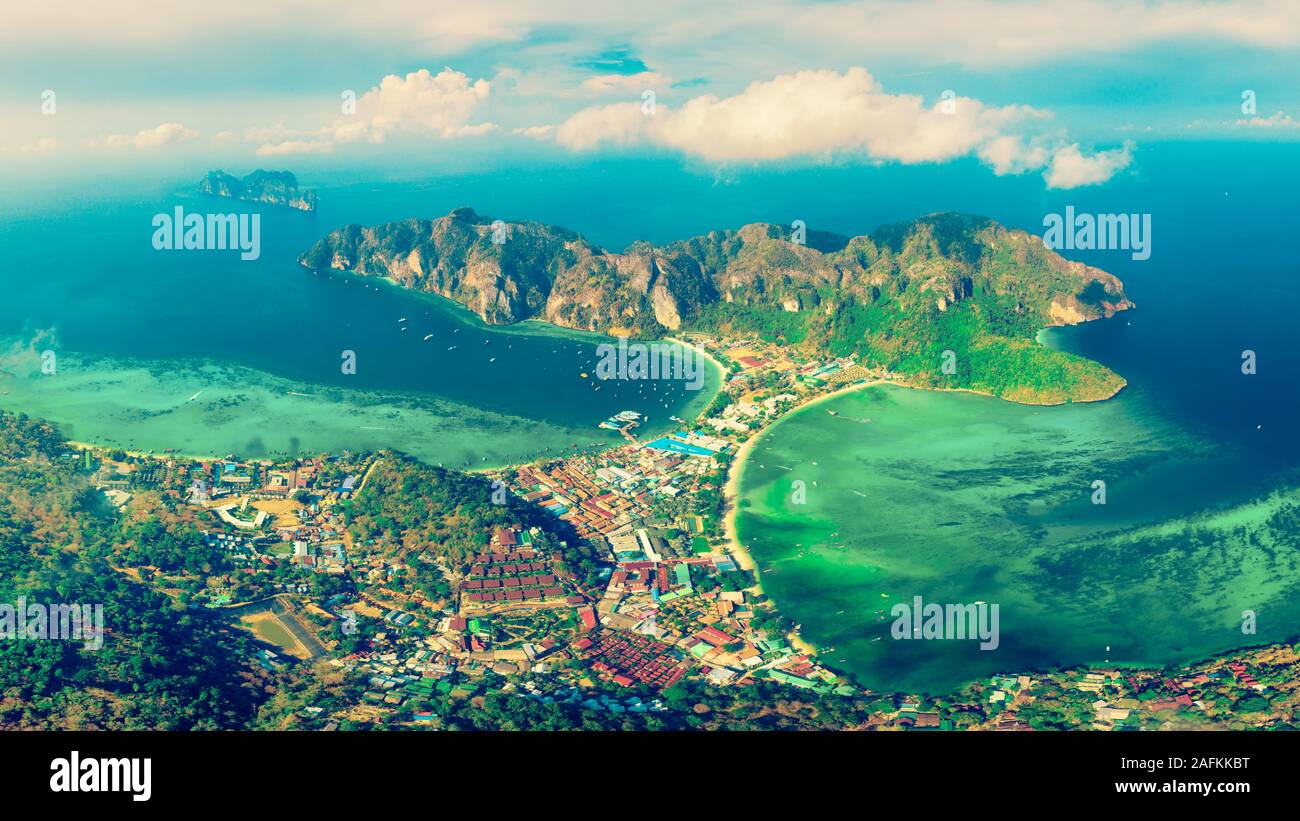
{"x":427,"y":337}
{"x":622,"y":419}
{"x":452,"y":348}
{"x":403,"y":319}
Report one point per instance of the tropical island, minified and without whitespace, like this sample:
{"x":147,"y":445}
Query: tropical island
{"x":379,"y":592}
{"x":272,"y":187}
{"x":945,"y":301}
{"x":585,"y":591}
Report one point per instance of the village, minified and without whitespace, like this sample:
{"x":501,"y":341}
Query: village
{"x":673,"y":600}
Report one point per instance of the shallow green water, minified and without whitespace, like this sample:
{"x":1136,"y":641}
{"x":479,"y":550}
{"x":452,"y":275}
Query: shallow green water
{"x":259,"y":346}
{"x":960,"y":498}
{"x":202,"y":408}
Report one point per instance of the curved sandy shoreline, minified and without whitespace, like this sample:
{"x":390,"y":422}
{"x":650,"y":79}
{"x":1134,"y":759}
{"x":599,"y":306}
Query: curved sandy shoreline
{"x":731,"y":490}
{"x":730,"y":495}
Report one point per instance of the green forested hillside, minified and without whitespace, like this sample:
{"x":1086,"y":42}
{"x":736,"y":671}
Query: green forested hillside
{"x":899,"y":298}
{"x":159,"y":667}
{"x":411,"y":510}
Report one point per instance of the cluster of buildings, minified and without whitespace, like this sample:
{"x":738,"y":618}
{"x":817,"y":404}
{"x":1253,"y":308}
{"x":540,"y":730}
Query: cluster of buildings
{"x":609,"y":495}
{"x":673,"y":604}
{"x":512,"y":572}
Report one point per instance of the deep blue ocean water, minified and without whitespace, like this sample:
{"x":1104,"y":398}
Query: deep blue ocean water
{"x":1222,"y":276}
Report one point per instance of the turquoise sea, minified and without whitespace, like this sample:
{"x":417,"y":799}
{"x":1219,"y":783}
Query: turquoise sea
{"x":949,"y":496}
{"x":960,"y":498}
{"x":209,"y":354}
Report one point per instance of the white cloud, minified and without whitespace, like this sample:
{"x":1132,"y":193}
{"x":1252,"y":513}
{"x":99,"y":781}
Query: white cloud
{"x":420,"y":103}
{"x":536,"y":132}
{"x":809,"y":113}
{"x":160,"y":135}
{"x":1277,"y":120}
{"x":439,"y":104}
{"x":619,"y":123}
{"x":470,"y":131}
{"x":827,"y":114}
{"x":293,"y":147}
{"x":541,"y":49}
{"x":1013,"y":155}
{"x":1071,"y":168}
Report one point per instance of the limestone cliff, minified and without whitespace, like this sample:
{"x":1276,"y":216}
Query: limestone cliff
{"x":896,"y":297}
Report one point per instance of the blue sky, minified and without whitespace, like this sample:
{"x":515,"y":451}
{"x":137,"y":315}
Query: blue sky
{"x":1065,"y":91}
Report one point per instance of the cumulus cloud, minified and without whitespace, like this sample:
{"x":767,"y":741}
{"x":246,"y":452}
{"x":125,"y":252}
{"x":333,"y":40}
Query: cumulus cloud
{"x":160,"y":135}
{"x":827,"y":114}
{"x":440,"y":104}
{"x":420,"y":103}
{"x":1013,"y":155}
{"x":808,"y":113}
{"x":1071,"y":168}
{"x":619,"y":123}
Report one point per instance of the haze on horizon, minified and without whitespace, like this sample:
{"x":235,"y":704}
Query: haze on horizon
{"x":1066,"y":91}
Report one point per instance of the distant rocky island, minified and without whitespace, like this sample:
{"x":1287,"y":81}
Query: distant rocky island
{"x":950,"y":300}
{"x":273,"y":187}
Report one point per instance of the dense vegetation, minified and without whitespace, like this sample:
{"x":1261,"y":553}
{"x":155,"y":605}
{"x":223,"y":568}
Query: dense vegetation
{"x":912,"y":298}
{"x":431,"y":517}
{"x":160,"y":667}
{"x":165,"y":666}
{"x":943,"y":289}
